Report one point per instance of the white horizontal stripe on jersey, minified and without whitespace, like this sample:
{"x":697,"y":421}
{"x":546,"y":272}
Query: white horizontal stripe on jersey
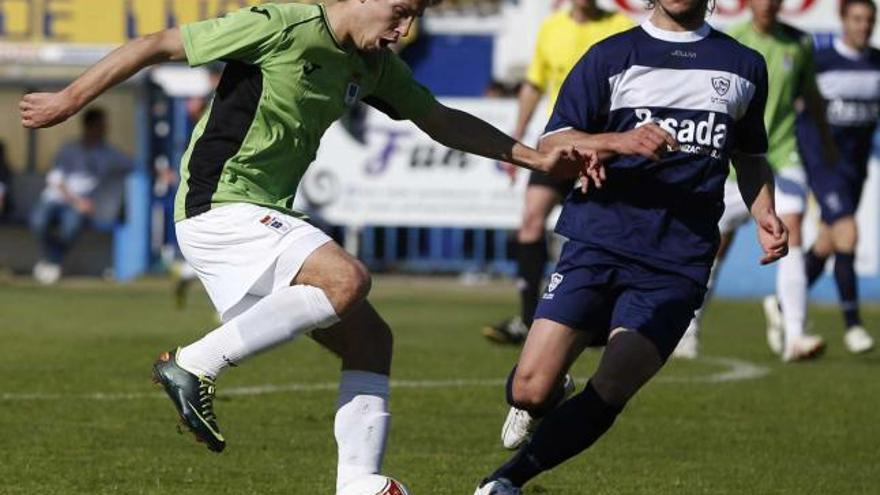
{"x":686,"y":89}
{"x":850,"y":84}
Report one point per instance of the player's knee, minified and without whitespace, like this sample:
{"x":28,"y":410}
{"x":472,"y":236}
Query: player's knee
{"x":530,"y":392}
{"x":845,"y":236}
{"x":532,"y":228}
{"x":351,"y":286}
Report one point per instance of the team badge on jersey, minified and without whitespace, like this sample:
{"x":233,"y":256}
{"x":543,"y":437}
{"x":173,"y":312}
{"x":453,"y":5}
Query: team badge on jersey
{"x":721,"y":85}
{"x":275,"y":223}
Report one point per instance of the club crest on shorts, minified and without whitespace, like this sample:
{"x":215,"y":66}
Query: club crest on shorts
{"x":555,"y":280}
{"x":275,"y":223}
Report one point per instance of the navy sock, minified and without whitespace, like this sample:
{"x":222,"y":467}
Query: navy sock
{"x":845,"y":276}
{"x":814,"y":265}
{"x":554,"y":400}
{"x":531,"y":259}
{"x":566,"y":431}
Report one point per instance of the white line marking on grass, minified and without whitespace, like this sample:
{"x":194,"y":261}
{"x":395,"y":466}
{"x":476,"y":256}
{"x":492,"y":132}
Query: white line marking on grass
{"x":732,"y":370}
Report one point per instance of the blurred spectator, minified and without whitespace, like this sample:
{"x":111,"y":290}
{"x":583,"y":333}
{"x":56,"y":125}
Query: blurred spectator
{"x":81,"y":169}
{"x":5,"y":184}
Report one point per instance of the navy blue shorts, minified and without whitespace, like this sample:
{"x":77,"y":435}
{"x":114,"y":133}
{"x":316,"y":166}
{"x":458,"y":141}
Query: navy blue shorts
{"x":597,"y":291}
{"x":838,"y":190}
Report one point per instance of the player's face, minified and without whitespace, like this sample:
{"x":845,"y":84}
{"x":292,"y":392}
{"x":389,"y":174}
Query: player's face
{"x":858,"y":24}
{"x":764,"y":12}
{"x":683,"y":10}
{"x":385,"y":22}
{"x":583,"y":4}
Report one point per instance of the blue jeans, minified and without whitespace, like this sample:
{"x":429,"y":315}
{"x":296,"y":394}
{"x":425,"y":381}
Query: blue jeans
{"x":57,"y":226}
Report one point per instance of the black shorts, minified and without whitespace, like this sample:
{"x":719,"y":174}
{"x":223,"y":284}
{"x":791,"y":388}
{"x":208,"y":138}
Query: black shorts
{"x":561,"y":186}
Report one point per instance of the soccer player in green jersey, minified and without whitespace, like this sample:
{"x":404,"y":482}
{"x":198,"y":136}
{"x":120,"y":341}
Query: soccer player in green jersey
{"x":792,"y":81}
{"x":291,"y":71}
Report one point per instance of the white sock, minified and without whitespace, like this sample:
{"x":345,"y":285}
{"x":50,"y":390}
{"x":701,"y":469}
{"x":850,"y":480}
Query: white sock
{"x":791,"y":287}
{"x":361,"y":426}
{"x":276,"y":318}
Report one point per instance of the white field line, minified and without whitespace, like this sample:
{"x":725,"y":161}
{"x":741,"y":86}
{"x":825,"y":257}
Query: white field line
{"x":731,"y":370}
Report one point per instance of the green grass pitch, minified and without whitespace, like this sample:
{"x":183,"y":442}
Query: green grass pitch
{"x":78,"y":413}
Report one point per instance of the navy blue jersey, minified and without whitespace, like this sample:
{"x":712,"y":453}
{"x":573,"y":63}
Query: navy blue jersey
{"x":708,"y":91}
{"x":850,"y":82}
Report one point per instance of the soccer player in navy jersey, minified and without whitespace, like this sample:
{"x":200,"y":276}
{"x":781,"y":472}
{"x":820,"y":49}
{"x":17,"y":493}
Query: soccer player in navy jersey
{"x":848,"y":76}
{"x":641,"y":247}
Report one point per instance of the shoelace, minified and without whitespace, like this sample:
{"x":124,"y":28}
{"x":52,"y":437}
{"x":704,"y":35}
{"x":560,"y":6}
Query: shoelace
{"x":206,"y":399}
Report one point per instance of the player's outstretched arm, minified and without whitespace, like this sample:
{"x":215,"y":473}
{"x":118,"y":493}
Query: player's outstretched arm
{"x":463,"y":131}
{"x":755,"y":180}
{"x":649,"y":141}
{"x":48,"y":109}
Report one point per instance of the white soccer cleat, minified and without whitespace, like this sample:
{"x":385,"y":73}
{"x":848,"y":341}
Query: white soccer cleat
{"x":498,"y":487}
{"x":803,"y":348}
{"x":858,"y":340}
{"x":519,"y":424}
{"x":775,"y":334}
{"x":47,"y":273}
{"x":688,"y":347}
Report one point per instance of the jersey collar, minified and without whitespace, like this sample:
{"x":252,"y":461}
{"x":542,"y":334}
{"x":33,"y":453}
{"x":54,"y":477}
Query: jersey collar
{"x":847,"y":51}
{"x":676,"y":36}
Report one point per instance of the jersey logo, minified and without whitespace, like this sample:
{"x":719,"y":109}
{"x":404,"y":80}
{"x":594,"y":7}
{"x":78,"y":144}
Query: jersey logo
{"x":704,"y":137}
{"x":265,"y":12}
{"x":721,"y":85}
{"x":275,"y":223}
{"x":309,"y":67}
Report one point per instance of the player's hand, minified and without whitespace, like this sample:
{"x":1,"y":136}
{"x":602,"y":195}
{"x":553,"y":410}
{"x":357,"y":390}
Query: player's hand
{"x":594,"y":171}
{"x":85,"y":206}
{"x":773,"y":237}
{"x":569,"y":161}
{"x":649,"y":141}
{"x":40,"y":110}
{"x":511,"y":170}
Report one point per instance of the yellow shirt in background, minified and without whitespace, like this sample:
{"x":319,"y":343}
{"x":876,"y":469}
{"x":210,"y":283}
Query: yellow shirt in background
{"x":562,"y":42}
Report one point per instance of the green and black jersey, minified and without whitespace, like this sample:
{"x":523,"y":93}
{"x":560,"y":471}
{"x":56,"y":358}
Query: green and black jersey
{"x":286,"y":80}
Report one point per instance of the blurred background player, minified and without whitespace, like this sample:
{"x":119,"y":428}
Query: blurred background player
{"x":5,"y":184}
{"x":848,"y":75}
{"x":789,"y":56}
{"x":640,"y":249}
{"x":81,"y":169}
{"x":292,"y":70}
{"x":563,"y":39}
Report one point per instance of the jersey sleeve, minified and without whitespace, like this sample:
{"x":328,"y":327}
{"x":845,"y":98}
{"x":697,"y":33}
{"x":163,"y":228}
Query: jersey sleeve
{"x":750,"y":133}
{"x":537,"y":73}
{"x":398,"y":94}
{"x":246,"y":35}
{"x":583,"y":100}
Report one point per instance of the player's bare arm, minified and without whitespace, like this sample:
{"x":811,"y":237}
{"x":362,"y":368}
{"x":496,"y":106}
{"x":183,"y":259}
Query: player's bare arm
{"x":463,"y":131}
{"x":755,"y":180}
{"x":649,"y":141}
{"x":527,"y":101}
{"x":48,"y":109}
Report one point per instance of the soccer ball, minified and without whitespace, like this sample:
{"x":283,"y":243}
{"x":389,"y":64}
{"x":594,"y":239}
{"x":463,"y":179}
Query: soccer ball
{"x":374,"y":484}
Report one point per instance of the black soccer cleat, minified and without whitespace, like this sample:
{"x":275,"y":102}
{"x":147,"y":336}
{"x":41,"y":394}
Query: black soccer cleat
{"x":512,"y":331}
{"x":193,"y":397}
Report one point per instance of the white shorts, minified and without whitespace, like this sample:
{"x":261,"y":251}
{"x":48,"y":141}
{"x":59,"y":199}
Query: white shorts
{"x":790,"y":198}
{"x":242,"y":252}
